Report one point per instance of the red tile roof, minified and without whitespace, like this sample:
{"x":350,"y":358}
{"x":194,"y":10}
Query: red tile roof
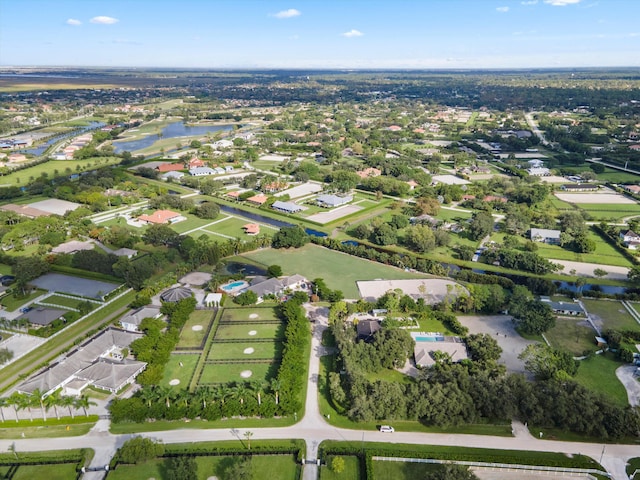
{"x":159,"y":216}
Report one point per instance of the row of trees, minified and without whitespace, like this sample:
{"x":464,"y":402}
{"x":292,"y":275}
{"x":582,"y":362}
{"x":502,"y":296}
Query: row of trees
{"x":36,"y":400}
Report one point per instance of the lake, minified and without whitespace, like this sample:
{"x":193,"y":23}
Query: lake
{"x":173,"y":130}
{"x":40,"y":149}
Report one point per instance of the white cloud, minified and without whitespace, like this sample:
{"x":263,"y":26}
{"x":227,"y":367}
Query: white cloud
{"x":562,"y":3}
{"x":290,"y":13}
{"x":502,"y":9}
{"x":352,"y":33}
{"x":529,"y":2}
{"x":103,"y":20}
{"x":74,"y":22}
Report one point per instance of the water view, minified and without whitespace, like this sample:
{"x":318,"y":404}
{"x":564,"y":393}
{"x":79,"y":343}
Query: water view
{"x":173,"y":130}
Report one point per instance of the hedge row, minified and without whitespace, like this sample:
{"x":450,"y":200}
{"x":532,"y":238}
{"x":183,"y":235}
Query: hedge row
{"x":76,"y":272}
{"x":291,"y":374}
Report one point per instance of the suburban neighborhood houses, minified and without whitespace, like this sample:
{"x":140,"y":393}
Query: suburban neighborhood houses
{"x":265,"y":271}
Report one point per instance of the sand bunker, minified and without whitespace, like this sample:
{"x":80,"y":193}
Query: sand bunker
{"x":253,"y":315}
{"x":197,"y":328}
{"x":253,"y":333}
{"x":174,"y":382}
{"x":246,"y":373}
{"x":248,"y":351}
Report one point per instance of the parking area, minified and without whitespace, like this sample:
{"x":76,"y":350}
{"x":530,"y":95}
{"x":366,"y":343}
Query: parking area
{"x":502,"y":329}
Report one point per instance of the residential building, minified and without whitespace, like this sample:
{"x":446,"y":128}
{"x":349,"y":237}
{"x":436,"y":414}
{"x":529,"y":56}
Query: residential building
{"x":425,"y":352}
{"x":259,"y":199}
{"x":539,"y":171}
{"x":73,"y":246}
{"x":332,"y":201}
{"x":544,"y":235}
{"x":251,"y":228}
{"x":366,"y":329}
{"x":564,"y":308}
{"x":630,"y":239}
{"x":161,"y":217}
{"x":634,"y":189}
{"x":201,"y":171}
{"x":132,"y":321}
{"x":286,"y":207}
{"x":369,"y":172}
{"x":42,"y":316}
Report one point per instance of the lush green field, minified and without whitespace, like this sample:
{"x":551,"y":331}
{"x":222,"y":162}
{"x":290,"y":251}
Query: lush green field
{"x":173,"y":370}
{"x":65,"y":302}
{"x":573,"y":335}
{"x":232,"y":227}
{"x":59,"y":471}
{"x":340,"y":271}
{"x":402,"y":470}
{"x":598,"y":373}
{"x":190,"y":338}
{"x":235,"y":351}
{"x":52,"y":428}
{"x":230,"y":372}
{"x":24,"y":177}
{"x":351,"y":469}
{"x":244,"y":314}
{"x":604,"y":254}
{"x":612,"y":313}
{"x":11,"y":303}
{"x":263,"y":330}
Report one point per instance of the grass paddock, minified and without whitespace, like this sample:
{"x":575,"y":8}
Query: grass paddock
{"x":173,"y":370}
{"x":235,"y":351}
{"x":242,"y":332}
{"x":230,"y":372}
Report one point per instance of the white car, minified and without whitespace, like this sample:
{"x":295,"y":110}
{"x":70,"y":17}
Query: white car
{"x":386,"y":429}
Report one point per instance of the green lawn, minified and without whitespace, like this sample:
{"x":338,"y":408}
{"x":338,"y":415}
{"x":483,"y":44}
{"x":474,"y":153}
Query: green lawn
{"x":597,"y":373}
{"x":340,"y":271}
{"x":59,"y":471}
{"x":235,"y":351}
{"x":80,"y":425}
{"x":230,"y":372}
{"x":66,"y":302}
{"x":5,"y":269}
{"x":351,"y":469}
{"x":612,"y":313}
{"x":232,"y":227}
{"x":402,"y":470}
{"x":24,"y":177}
{"x":262,"y":330}
{"x":572,"y":335}
{"x":190,"y":338}
{"x":11,"y":303}
{"x":245,"y":314}
{"x":604,"y":253}
{"x":191,"y":222}
{"x":173,"y":370}
{"x":143,"y":471}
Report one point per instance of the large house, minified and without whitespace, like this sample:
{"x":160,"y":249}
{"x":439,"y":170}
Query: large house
{"x":630,"y":239}
{"x":100,"y":361}
{"x":424,"y":351}
{"x":132,"y":321}
{"x":286,"y":207}
{"x":544,"y":235}
{"x":42,"y":316}
{"x":161,"y":217}
{"x":564,"y":308}
{"x":201,"y":171}
{"x":263,"y":286}
{"x":331,"y":201}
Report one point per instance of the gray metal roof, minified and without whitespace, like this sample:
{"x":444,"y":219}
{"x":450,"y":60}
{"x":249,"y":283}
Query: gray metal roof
{"x":43,"y":316}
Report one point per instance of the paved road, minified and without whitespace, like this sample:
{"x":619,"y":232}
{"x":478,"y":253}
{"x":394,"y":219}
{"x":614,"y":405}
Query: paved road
{"x":534,"y":127}
{"x":314,"y":429}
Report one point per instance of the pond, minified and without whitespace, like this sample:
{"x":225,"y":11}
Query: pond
{"x":173,"y":130}
{"x":40,"y":149}
{"x":233,"y":268}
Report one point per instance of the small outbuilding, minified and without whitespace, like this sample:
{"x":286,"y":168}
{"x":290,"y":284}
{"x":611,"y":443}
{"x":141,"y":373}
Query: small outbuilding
{"x":176,"y":294}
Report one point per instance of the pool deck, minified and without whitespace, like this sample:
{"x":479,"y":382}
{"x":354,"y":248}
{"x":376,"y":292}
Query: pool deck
{"x":241,"y":285}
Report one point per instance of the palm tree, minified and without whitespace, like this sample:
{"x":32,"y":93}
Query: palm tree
{"x":276,"y":385}
{"x":258,"y":387}
{"x":23,"y":402}
{"x":148,"y":395}
{"x":53,"y":400}
{"x":248,"y":436}
{"x":183,"y":396}
{"x":68,"y":401}
{"x":37,"y":397}
{"x":83,"y":402}
{"x":202,"y":394}
{"x":222,"y":392}
{"x":4,"y":402}
{"x":166,"y":394}
{"x":239,"y":392}
{"x":14,"y":401}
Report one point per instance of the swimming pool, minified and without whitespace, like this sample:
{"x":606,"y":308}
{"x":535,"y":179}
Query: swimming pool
{"x":429,"y":339}
{"x":230,"y":287}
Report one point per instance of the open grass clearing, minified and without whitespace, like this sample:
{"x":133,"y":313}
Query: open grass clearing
{"x":232,"y":227}
{"x":52,"y":428}
{"x":573,"y":335}
{"x":12,"y":303}
{"x":612,"y":314}
{"x":248,"y":314}
{"x":173,"y":370}
{"x":195,"y":328}
{"x":351,"y":468}
{"x":59,"y":471}
{"x":249,"y":332}
{"x":598,"y":373}
{"x":402,"y":470}
{"x":25,"y":176}
{"x":65,"y":301}
{"x":245,"y":351}
{"x":340,"y":271}
{"x":604,"y":254}
{"x":232,"y":372}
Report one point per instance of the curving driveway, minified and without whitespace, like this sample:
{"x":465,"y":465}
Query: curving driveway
{"x":626,"y":374}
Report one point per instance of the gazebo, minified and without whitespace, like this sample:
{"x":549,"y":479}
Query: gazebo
{"x":176,"y":294}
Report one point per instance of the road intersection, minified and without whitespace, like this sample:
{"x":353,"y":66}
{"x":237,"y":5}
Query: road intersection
{"x":313,"y":429}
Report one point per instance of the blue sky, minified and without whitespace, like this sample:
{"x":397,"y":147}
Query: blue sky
{"x":321,"y":34}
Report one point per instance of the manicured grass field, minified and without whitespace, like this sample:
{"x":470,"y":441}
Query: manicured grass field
{"x":604,"y":253}
{"x":59,"y":471}
{"x":340,"y":271}
{"x":401,"y":470}
{"x":235,"y":351}
{"x":194,"y":338}
{"x":230,"y":372}
{"x":598,"y":373}
{"x":173,"y":370}
{"x":191,"y":222}
{"x":52,"y":428}
{"x":151,"y":469}
{"x":232,"y":227}
{"x":22,"y":177}
{"x":65,"y":302}
{"x":11,"y":303}
{"x":244,"y":314}
{"x":572,"y":335}
{"x":351,"y":469}
{"x":612,"y":313}
{"x":268,"y":330}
